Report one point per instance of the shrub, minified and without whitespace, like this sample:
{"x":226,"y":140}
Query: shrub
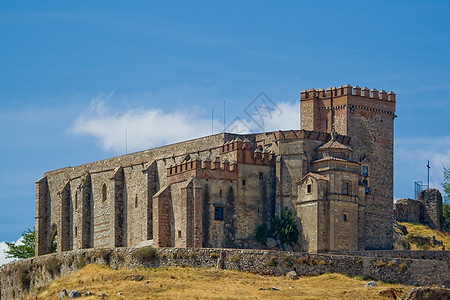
{"x":285,"y":227}
{"x":402,"y":267}
{"x":359,"y":261}
{"x":24,"y":277}
{"x":262,"y":233}
{"x":235,"y":258}
{"x":214,"y":255}
{"x":380,"y":263}
{"x":81,"y":262}
{"x":53,"y":266}
{"x":391,"y":263}
{"x":273,"y":262}
{"x":146,"y":254}
{"x":103,"y":253}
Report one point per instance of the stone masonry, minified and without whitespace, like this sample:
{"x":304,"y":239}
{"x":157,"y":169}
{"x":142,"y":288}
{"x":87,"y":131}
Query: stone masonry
{"x":427,"y":209}
{"x":336,"y":173}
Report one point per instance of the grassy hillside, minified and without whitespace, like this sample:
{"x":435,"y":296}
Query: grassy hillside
{"x":190,"y":283}
{"x":417,"y":230}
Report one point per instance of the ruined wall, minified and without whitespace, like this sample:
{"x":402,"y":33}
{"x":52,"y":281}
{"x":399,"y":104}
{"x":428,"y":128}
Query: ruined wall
{"x":408,"y":210}
{"x":427,"y":209}
{"x":432,"y":213}
{"x":18,"y":278}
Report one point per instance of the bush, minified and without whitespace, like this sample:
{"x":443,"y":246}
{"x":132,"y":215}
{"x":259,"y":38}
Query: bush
{"x":273,"y":262}
{"x":402,"y":267}
{"x":146,"y":254}
{"x":285,"y":227}
{"x":24,"y":277}
{"x":214,"y":255}
{"x":380,"y":263}
{"x":262,"y":233}
{"x":53,"y":265}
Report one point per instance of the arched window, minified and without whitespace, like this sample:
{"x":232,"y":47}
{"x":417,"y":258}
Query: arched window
{"x":104,"y":193}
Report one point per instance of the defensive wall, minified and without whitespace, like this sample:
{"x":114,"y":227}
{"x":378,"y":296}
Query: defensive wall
{"x":426,"y":209}
{"x":18,"y":278}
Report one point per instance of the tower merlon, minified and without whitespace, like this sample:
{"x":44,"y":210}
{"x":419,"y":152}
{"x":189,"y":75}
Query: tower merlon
{"x":345,"y":91}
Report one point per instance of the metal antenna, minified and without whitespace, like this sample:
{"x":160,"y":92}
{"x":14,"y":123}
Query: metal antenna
{"x":428,"y":166}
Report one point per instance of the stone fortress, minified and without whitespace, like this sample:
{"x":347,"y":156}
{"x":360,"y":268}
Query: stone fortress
{"x":336,"y":174}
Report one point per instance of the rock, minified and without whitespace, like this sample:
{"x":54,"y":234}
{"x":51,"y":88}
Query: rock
{"x":87,"y":293}
{"x":371,"y":284}
{"x":271,"y":243}
{"x":287,"y":247}
{"x":102,"y":296}
{"x":390,"y":293}
{"x":74,"y":294}
{"x":63,"y":294}
{"x":435,"y":293}
{"x":401,"y":228}
{"x":135,"y":277}
{"x":146,"y":243}
{"x":400,"y":242}
{"x":292,"y":275}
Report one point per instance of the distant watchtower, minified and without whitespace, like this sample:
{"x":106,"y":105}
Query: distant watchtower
{"x":367,"y":116}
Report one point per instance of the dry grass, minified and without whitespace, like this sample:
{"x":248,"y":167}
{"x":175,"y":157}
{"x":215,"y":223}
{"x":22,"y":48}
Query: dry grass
{"x":190,"y":283}
{"x":426,"y":232}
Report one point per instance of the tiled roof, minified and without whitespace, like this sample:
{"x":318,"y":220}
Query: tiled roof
{"x":333,"y":144}
{"x":314,"y":175}
{"x":333,"y":158}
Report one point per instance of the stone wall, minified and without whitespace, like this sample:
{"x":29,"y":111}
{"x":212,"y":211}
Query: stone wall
{"x":19,"y":277}
{"x":432,"y":201}
{"x":426,"y":210}
{"x":407,"y":210}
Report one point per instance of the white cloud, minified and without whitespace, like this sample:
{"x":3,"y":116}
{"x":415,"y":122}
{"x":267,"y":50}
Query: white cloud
{"x":137,"y":129}
{"x":3,"y":248}
{"x":412,"y":155}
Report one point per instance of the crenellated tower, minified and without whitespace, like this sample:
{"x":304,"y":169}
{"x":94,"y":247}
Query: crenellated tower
{"x":367,"y":117}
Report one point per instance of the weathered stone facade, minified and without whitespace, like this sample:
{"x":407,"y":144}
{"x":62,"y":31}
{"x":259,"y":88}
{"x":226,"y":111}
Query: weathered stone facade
{"x":336,"y":174}
{"x":427,"y":209}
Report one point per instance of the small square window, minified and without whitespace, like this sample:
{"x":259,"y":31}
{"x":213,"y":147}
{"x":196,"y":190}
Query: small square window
{"x":309,"y":188}
{"x":243,"y":182}
{"x":218,"y":213}
{"x":261,"y":175}
{"x":345,"y":217}
{"x":179,"y":234}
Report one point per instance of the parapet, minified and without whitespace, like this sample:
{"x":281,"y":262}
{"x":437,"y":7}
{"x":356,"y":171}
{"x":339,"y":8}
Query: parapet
{"x":245,"y":155}
{"x":347,"y":90}
{"x":202,"y":169}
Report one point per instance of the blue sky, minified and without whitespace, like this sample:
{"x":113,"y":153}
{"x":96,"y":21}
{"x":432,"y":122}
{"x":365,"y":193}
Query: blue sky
{"x":75,"y":76}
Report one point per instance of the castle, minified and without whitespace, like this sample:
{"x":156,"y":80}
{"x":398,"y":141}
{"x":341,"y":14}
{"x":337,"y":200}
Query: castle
{"x":336,"y":174}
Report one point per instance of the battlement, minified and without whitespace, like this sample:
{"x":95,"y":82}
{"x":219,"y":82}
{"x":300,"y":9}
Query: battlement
{"x":245,"y":155}
{"x":206,"y":169}
{"x":347,"y":90}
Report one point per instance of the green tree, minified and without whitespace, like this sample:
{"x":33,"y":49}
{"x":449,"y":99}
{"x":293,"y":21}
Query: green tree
{"x":285,"y":227}
{"x":26,"y":250}
{"x":446,"y":204}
